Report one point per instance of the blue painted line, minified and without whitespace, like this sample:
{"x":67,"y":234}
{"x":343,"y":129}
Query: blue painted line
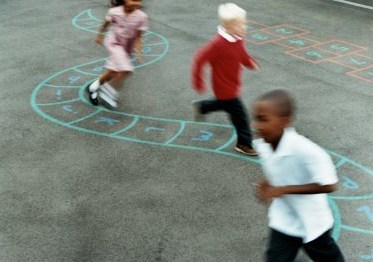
{"x":208,"y":124}
{"x":84,"y":118}
{"x":367,"y":257}
{"x":153,"y":44}
{"x":153,"y":128}
{"x":181,"y":130}
{"x":132,"y":124}
{"x":356,"y":229}
{"x":230,"y":141}
{"x":352,"y":162}
{"x":56,"y":86}
{"x":151,"y":55}
{"x":59,"y":103}
{"x":92,"y":16}
{"x":84,"y":19}
{"x":86,"y":73}
{"x":340,"y":163}
{"x":364,"y":197}
{"x":337,"y":219}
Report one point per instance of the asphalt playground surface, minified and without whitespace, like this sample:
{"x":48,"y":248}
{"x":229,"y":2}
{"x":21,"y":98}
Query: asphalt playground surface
{"x":146,"y":183}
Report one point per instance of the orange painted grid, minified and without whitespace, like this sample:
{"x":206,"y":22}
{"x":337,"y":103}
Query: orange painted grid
{"x":335,"y":56}
{"x":262,"y":33}
{"x":357,"y":74}
{"x":353,"y":61}
{"x":254,"y":26}
{"x":283,"y":42}
{"x":344,"y":45}
{"x":311,"y":48}
{"x":272,"y":29}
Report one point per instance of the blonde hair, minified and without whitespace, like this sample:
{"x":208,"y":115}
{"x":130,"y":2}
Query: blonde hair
{"x":230,"y":11}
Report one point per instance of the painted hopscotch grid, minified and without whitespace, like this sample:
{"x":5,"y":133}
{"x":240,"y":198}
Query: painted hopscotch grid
{"x":271,"y":34}
{"x":342,"y":53}
{"x":57,"y":90}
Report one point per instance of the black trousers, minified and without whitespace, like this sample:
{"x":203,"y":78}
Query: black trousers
{"x":237,"y":113}
{"x":284,"y":248}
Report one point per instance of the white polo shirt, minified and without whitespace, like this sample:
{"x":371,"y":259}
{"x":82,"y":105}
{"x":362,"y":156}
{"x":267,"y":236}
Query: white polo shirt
{"x":298,"y":161}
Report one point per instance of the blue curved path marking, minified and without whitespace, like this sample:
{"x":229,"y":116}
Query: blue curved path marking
{"x":86,"y":21}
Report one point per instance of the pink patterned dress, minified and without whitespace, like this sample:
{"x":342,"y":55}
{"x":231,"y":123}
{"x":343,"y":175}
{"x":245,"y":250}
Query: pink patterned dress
{"x":123,"y":31}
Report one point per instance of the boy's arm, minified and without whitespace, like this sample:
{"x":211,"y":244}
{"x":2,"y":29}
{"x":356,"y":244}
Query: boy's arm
{"x":202,"y":57}
{"x":247,"y":60}
{"x":267,"y":192}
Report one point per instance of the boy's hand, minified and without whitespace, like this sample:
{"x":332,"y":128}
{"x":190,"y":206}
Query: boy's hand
{"x":254,"y":64}
{"x":100,"y":39}
{"x":199,"y":86}
{"x":200,"y":91}
{"x":266,"y":192}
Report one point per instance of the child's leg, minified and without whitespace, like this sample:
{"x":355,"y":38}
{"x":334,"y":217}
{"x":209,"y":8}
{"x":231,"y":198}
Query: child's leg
{"x":117,"y":81}
{"x":203,"y":107}
{"x":282,"y":248}
{"x":208,"y":106}
{"x":109,"y":90}
{"x":240,"y":120}
{"x":324,"y":249}
{"x":107,"y":76}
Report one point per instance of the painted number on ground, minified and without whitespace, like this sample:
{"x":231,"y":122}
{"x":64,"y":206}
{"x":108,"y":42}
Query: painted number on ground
{"x":366,"y":210}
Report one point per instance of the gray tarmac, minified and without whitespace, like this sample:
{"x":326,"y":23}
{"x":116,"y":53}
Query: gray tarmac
{"x":78,"y":188}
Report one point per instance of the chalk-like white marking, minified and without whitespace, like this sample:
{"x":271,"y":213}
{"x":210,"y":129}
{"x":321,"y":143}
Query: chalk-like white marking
{"x":354,"y":4}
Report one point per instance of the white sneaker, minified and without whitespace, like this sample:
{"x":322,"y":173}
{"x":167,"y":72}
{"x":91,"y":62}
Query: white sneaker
{"x":108,"y":99}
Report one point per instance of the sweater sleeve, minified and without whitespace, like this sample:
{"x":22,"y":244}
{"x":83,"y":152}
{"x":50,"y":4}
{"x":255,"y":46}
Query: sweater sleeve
{"x":247,"y":60}
{"x":201,"y":58}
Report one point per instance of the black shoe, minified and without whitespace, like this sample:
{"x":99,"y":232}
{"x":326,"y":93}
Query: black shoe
{"x":94,"y":101}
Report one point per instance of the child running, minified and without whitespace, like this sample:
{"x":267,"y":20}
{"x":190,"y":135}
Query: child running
{"x":128,"y":23}
{"x":298,"y":174}
{"x":226,"y":55}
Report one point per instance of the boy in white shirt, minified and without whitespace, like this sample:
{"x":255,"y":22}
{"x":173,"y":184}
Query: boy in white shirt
{"x":298,"y":174}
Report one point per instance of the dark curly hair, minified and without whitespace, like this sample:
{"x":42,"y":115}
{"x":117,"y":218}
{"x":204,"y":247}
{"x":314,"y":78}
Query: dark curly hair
{"x":116,"y":2}
{"x":283,"y":101}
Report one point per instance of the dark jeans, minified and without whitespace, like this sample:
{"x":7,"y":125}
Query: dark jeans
{"x":284,"y":248}
{"x":237,"y":113}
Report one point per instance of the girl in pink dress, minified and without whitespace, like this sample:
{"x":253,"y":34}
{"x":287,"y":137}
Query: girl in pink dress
{"x":127,"y":23}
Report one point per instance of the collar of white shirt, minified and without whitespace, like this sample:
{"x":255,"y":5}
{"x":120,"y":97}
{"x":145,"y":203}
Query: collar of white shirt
{"x":230,"y":38}
{"x":283,"y":148}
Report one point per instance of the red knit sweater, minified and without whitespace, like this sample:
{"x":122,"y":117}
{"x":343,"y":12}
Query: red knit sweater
{"x":226,"y":60}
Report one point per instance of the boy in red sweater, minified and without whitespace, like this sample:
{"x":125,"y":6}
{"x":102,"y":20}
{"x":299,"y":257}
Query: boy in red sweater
{"x":226,"y":54}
